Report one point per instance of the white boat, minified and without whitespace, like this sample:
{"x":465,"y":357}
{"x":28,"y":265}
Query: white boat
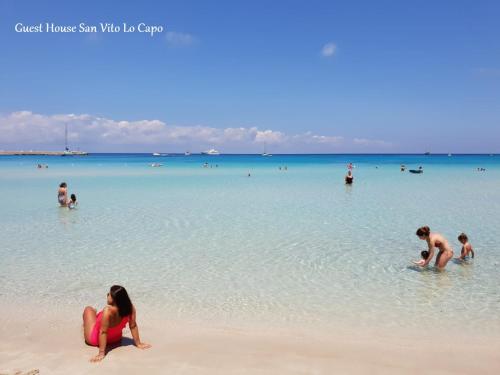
{"x":449,"y":154}
{"x":156,"y":154}
{"x":265,"y":151}
{"x":187,"y":153}
{"x":74,"y":153}
{"x":212,"y":151}
{"x":156,"y":165}
{"x":67,"y":151}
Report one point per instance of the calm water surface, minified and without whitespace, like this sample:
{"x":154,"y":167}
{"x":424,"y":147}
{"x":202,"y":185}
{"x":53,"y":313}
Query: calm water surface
{"x":279,"y":247}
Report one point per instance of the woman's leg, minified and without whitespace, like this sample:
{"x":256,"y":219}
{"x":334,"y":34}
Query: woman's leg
{"x":443,"y":259}
{"x":89,"y":318}
{"x":438,"y":258}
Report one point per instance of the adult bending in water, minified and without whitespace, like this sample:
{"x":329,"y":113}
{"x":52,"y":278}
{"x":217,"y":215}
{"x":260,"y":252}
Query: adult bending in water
{"x":62,"y":194}
{"x":106,"y":327}
{"x":435,"y":240}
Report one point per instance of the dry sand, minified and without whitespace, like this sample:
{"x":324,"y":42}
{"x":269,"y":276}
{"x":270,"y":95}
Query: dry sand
{"x":198,"y":349}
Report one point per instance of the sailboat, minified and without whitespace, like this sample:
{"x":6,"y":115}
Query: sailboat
{"x":265,"y":151}
{"x":67,"y":151}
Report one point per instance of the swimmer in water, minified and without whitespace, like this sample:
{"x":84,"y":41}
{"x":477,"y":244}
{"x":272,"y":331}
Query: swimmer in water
{"x":466,"y":248}
{"x":72,"y":202}
{"x":349,"y":178}
{"x":425,"y":255}
{"x":435,"y":240}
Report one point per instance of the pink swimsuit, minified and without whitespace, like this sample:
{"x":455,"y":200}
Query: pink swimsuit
{"x":114,"y":333}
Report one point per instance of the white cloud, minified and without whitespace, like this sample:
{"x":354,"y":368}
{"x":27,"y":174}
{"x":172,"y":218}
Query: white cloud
{"x":20,"y":130}
{"x":329,"y":49}
{"x":178,"y":39}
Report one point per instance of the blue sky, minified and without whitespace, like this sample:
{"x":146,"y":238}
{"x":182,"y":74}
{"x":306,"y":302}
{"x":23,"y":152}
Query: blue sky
{"x":400,"y":76}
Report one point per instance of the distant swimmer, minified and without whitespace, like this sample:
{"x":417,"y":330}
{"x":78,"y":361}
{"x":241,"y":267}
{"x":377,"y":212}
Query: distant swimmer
{"x":424,"y":254}
{"x":403,"y":167}
{"x":249,"y":175}
{"x":106,"y":326}
{"x":72,"y":202}
{"x":435,"y":240}
{"x":349,"y":178}
{"x":466,"y":248}
{"x":62,"y":194}
{"x":350,"y":166}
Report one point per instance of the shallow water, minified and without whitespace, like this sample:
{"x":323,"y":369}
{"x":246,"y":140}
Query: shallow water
{"x":277,"y":248}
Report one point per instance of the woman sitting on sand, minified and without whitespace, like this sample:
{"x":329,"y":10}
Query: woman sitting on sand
{"x":62,"y":194}
{"x":106,"y":327}
{"x":435,"y":240}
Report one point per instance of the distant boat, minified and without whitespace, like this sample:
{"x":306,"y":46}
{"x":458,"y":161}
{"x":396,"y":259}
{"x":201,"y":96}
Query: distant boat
{"x":67,"y":151}
{"x":187,"y":153}
{"x":156,"y":154}
{"x":265,"y":151}
{"x":427,"y":153}
{"x":156,"y":165}
{"x":449,"y":154}
{"x":211,"y":152}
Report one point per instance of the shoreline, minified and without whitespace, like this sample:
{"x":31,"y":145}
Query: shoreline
{"x":201,"y":348}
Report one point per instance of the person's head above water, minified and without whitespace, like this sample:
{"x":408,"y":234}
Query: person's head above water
{"x":63,"y":185}
{"x":423,"y":232}
{"x":463,"y":238}
{"x":73,"y":197}
{"x":118,"y":297}
{"x":425,"y":254}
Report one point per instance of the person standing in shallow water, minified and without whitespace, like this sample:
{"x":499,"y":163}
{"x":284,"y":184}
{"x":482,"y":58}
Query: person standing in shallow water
{"x":106,"y":327}
{"x":349,"y":178}
{"x":62,"y":194}
{"x":435,"y":240}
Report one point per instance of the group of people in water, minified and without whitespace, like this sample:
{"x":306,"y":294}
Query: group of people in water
{"x":445,"y":253}
{"x":105,"y":328}
{"x":62,"y":197}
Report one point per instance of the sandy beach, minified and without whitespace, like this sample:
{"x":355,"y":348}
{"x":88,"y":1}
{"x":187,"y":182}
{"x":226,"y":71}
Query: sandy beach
{"x":186,"y":348}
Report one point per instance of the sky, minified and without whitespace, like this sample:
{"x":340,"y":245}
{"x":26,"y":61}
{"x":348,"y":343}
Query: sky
{"x":296,"y":76}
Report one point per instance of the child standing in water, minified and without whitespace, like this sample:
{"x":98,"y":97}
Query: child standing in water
{"x":72,"y":202}
{"x":425,"y":255}
{"x":466,"y":248}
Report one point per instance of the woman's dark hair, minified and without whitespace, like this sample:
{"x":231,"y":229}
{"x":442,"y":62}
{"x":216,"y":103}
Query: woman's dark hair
{"x":73,"y":197}
{"x":463,"y":237}
{"x":63,"y":184}
{"x":425,"y":254}
{"x":121,"y":300}
{"x":423,"y":231}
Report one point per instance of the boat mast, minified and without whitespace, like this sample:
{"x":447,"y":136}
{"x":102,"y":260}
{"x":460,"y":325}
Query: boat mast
{"x":66,"y":137}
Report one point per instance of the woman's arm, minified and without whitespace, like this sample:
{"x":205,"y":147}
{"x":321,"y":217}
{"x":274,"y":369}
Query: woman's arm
{"x":103,"y":336}
{"x":132,"y":323}
{"x":431,"y":255}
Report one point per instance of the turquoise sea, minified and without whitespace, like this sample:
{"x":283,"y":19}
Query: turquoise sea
{"x":279,"y":248}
